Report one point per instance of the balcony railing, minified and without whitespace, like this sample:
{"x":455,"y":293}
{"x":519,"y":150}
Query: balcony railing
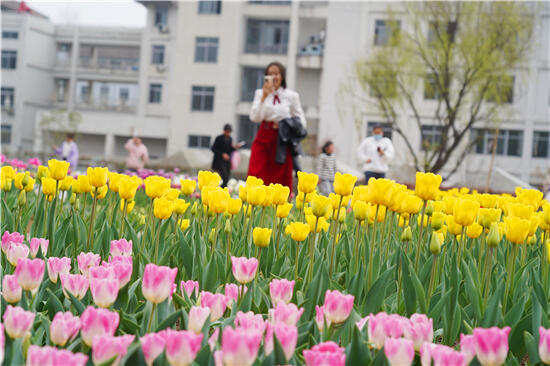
{"x":272,"y":49}
{"x":114,"y":65}
{"x":98,"y":105}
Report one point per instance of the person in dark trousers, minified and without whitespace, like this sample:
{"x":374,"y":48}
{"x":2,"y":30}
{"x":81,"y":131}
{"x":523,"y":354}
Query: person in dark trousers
{"x":222,"y":149}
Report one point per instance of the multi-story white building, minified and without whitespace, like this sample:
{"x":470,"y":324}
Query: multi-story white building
{"x":195,"y":66}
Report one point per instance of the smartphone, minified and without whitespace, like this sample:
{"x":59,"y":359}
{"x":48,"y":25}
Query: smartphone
{"x":268,"y":79}
{"x":242,"y":143}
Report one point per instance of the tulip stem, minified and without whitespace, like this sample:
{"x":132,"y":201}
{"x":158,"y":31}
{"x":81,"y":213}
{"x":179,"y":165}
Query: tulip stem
{"x":461,"y":247}
{"x":312,"y":244}
{"x":296,"y":261}
{"x":303,"y":207}
{"x":335,"y":235}
{"x":510,"y":276}
{"x":432,"y":281}
{"x":91,"y":228}
{"x":487,"y":277}
{"x":420,"y":246}
{"x":122,"y":224}
{"x":279,"y":224}
{"x":151,"y":318}
{"x":215,"y":233}
{"x":373,"y":238}
{"x":356,"y":246}
{"x":157,"y":229}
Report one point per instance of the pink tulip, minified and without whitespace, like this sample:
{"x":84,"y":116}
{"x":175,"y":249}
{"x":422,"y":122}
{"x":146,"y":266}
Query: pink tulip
{"x":337,"y":306}
{"x":157,"y":282}
{"x":121,"y":248}
{"x":325,"y":354}
{"x":419,"y":329}
{"x":382,"y":326}
{"x":189,"y":287}
{"x":361,"y":323}
{"x":287,"y":336}
{"x":105,"y":347}
{"x":491,"y":345}
{"x":122,"y":267}
{"x":281,"y":290}
{"x":64,"y":357}
{"x":197,"y":317}
{"x":232,"y":293}
{"x":240,"y":346}
{"x":468,"y":347}
{"x":215,"y":302}
{"x":11,"y":238}
{"x":39,"y":243}
{"x":17,"y":321}
{"x":63,"y":328}
{"x":399,"y":351}
{"x":320,"y":318}
{"x":75,"y":284}
{"x":29,"y":273}
{"x":244,"y":269}
{"x":285,"y":313}
{"x":213,"y":339}
{"x":11,"y":289}
{"x":544,"y":345}
{"x":38,"y":356}
{"x":16,"y":252}
{"x":2,"y":343}
{"x":2,"y":158}
{"x":152,"y":345}
{"x":182,"y":346}
{"x":86,"y":261}
{"x":101,"y":273}
{"x":57,"y":266}
{"x":249,"y":320}
{"x":104,"y":291}
{"x":441,"y":355}
{"x":98,"y":322}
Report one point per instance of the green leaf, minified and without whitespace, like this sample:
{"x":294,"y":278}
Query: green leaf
{"x":280,"y":358}
{"x":493,"y":308}
{"x":377,"y":293}
{"x":209,"y":275}
{"x":409,"y":293}
{"x":77,"y":304}
{"x":532,"y":347}
{"x":53,"y":303}
{"x":358,"y":352}
{"x":169,"y":320}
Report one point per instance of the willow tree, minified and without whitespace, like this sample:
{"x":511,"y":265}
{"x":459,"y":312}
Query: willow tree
{"x":464,"y":54}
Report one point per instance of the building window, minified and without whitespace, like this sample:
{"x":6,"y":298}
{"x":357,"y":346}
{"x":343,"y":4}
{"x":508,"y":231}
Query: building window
{"x":206,"y":49}
{"x":202,"y":98}
{"x":6,"y":134}
{"x":503,"y":91}
{"x":247,"y":130}
{"x":541,"y":142}
{"x":10,"y":35}
{"x":8,"y":95}
{"x":431,"y":91}
{"x":158,"y":55}
{"x":253,"y":79}
{"x":266,"y":36}
{"x":509,"y":142}
{"x":384,"y":30}
{"x":210,"y":7}
{"x":197,"y":141}
{"x":124,"y":95}
{"x":386,"y":128}
{"x":104,"y":92}
{"x":161,"y":15}
{"x":84,"y":92}
{"x":436,"y":32}
{"x":155,"y":93}
{"x":431,"y":138}
{"x":9,"y":59}
{"x":61,"y":89}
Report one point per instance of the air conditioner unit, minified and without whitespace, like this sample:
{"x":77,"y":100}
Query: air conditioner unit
{"x":163,"y":28}
{"x":161,"y":68}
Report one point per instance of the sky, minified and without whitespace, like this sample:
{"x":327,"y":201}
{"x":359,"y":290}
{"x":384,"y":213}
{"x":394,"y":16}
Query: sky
{"x":124,"y":13}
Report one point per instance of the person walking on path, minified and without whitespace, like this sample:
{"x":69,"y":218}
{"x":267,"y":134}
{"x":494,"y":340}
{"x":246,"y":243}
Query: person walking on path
{"x":138,"y":154}
{"x":68,"y":151}
{"x":326,"y":168}
{"x":222,"y":149}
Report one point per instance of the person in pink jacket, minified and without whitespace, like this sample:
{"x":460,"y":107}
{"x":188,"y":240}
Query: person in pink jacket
{"x":137,"y":154}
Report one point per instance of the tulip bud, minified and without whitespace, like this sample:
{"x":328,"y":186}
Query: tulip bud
{"x":142,"y":220}
{"x":227,"y":227}
{"x":435,"y":244}
{"x":25,"y":180}
{"x":77,"y":204}
{"x":211,"y":236}
{"x":72,"y":200}
{"x":194,"y":208}
{"x":406,"y":235}
{"x":494,"y":236}
{"x":6,"y":185}
{"x":21,"y":198}
{"x":438,"y":219}
{"x":429,"y":208}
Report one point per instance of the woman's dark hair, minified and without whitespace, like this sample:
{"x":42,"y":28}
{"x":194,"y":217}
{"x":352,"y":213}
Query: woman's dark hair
{"x":326,"y":145}
{"x":281,"y":69}
{"x":70,"y":135}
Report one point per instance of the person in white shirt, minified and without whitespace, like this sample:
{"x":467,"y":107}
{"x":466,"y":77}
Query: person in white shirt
{"x":273,"y":103}
{"x":375,"y":153}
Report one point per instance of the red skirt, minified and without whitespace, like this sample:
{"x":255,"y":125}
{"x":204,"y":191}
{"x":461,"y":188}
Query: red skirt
{"x":262,"y":158}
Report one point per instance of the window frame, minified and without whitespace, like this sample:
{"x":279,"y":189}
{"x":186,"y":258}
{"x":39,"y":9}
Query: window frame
{"x":433,"y":133}
{"x":158,"y":53}
{"x":202,"y":141}
{"x":538,"y":137}
{"x":5,"y":133}
{"x":430,"y":79}
{"x":9,"y":59}
{"x":154,"y":90}
{"x":7,"y":93}
{"x":204,"y":47}
{"x":161,"y":10}
{"x":254,"y":42}
{"x":7,"y":34}
{"x":212,"y":7}
{"x":486,"y":137}
{"x":202,"y":92}
{"x":383,"y":34}
{"x":247,"y":95}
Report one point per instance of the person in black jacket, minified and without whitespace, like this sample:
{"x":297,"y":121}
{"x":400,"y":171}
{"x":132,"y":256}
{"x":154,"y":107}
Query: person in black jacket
{"x":222,"y":149}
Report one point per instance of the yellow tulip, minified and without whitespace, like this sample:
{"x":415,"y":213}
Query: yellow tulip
{"x":486,"y":216}
{"x":531,"y":197}
{"x":320,"y":205}
{"x":256,"y":195}
{"x":97,"y":176}
{"x":218,"y":200}
{"x":268,"y":199}
{"x":42,"y":172}
{"x":114,"y":179}
{"x":473,"y":231}
{"x":5,"y":183}
{"x":84,"y":185}
{"x":547,"y":250}
{"x":411,"y":204}
{"x":403,"y":220}
{"x":494,"y":236}
{"x":30,"y":185}
{"x":172,"y":194}
{"x":261,"y":237}
{"x":489,"y":200}
{"x":58,"y":169}
{"x":101,"y":192}
{"x":418,"y":220}
{"x":252,"y":181}
{"x":341,"y":217}
{"x":163,"y":208}
{"x":280,"y":194}
{"x":127,"y":187}
{"x":234,"y":206}
{"x":534,"y":225}
{"x":183,"y":224}
{"x":204,"y":194}
{"x":343,"y":184}
{"x":307,"y":182}
{"x":380,"y":191}
{"x":66,"y":183}
{"x":156,"y":186}
{"x":438,"y":219}
{"x":335,"y":200}
{"x":427,"y":185}
{"x":448,"y":204}
{"x":188,"y":186}
{"x":208,"y":178}
{"x":283,"y":210}
{"x":381,"y":213}
{"x":361,"y":193}
{"x":452,"y":226}
{"x":298,"y":231}
{"x":180,"y":206}
{"x":435,"y":243}
{"x":129,"y":206}
{"x":520,"y":210}
{"x":465,"y":211}
{"x":443,"y":231}
{"x":18,"y":180}
{"x":397,"y":199}
{"x":8,"y":172}
{"x":542,"y":223}
{"x":406,"y":235}
{"x":360,"y":210}
{"x":531,"y":240}
{"x":546,"y":213}
{"x":322,"y":223}
{"x":242,"y":193}
{"x":48,"y":186}
{"x":517,"y":229}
